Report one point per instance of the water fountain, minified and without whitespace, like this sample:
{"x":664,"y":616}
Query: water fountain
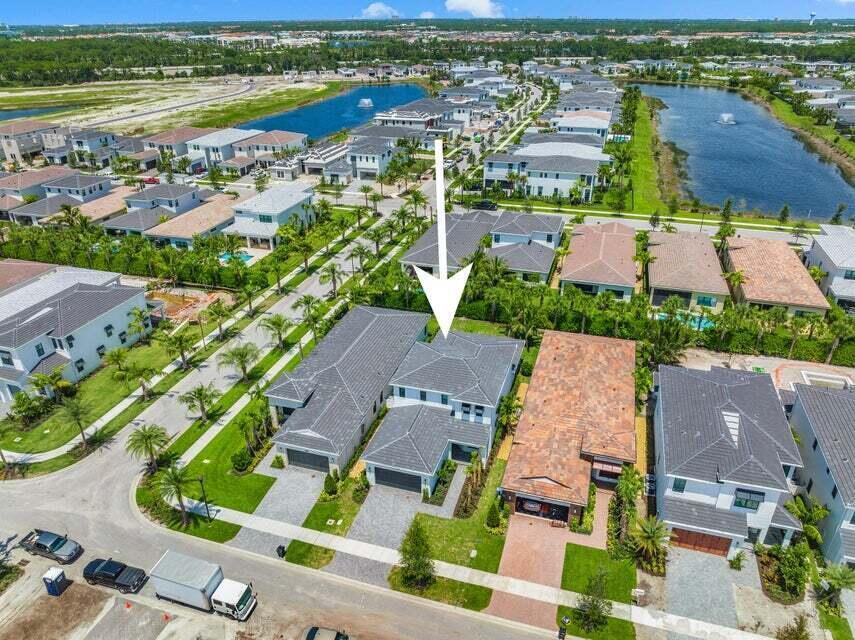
{"x":726,"y":118}
{"x":366,"y":103}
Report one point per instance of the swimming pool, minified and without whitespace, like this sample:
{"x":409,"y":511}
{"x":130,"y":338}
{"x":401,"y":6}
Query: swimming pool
{"x":695,"y":322}
{"x":245,"y":257}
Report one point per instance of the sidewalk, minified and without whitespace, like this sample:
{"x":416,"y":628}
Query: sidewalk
{"x":514,"y":586}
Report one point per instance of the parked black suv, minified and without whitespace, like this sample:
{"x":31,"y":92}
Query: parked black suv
{"x":114,"y":574}
{"x":485,"y":205}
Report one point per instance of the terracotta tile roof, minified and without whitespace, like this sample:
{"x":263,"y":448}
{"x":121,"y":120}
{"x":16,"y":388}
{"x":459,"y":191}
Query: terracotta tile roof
{"x":22,"y":127}
{"x":580,"y":403}
{"x":215,"y":211}
{"x":773,"y":273}
{"x":601,"y":254}
{"x":685,"y":262}
{"x":276,"y":137}
{"x":13,"y":272}
{"x":26,"y":179}
{"x":179,"y":135}
{"x":7,"y":203}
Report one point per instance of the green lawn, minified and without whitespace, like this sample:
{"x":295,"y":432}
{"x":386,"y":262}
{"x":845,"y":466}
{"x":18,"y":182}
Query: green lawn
{"x":643,"y":166}
{"x":580,"y":563}
{"x":8,"y":574}
{"x":459,"y":594}
{"x":452,"y":539}
{"x":216,"y":530}
{"x":838,"y":625}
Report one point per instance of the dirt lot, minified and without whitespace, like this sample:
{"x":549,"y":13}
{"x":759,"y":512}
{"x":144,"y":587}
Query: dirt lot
{"x":50,"y":618}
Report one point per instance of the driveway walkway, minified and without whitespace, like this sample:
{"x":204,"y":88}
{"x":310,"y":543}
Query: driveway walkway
{"x":849,"y":606}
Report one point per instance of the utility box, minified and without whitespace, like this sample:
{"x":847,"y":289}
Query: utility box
{"x":55,"y":582}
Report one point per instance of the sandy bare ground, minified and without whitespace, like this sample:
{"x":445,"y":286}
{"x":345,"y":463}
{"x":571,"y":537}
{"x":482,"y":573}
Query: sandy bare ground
{"x":50,"y":618}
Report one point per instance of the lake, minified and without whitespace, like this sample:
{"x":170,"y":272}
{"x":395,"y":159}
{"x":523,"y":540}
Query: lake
{"x":11,"y":114}
{"x":757,"y":161}
{"x":328,"y":116}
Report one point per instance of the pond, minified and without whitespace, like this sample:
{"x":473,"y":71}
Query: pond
{"x":736,"y":149}
{"x":326,"y":117}
{"x":11,"y":114}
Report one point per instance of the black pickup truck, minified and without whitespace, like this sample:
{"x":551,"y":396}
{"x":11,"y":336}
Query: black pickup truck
{"x":114,"y":574}
{"x":51,"y":545}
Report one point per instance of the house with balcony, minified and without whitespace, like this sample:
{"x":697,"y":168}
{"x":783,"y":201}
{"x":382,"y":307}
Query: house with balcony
{"x":426,"y":114}
{"x":833,"y":251}
{"x":725,"y":459}
{"x":257,"y":219}
{"x":177,"y":198}
{"x":593,"y":122}
{"x":15,"y":187}
{"x":577,"y":426}
{"x":686,"y":265}
{"x":369,"y":157}
{"x":325,"y":406}
{"x":571,"y":102}
{"x":443,"y":406}
{"x":81,"y":188}
{"x":93,"y":148}
{"x":824,"y":418}
{"x":60,"y":317}
{"x":218,"y":146}
{"x":264,"y":147}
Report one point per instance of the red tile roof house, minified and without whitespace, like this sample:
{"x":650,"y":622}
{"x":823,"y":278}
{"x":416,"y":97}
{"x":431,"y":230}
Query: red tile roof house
{"x":601,"y":259}
{"x":774,"y":276}
{"x":577,"y":424}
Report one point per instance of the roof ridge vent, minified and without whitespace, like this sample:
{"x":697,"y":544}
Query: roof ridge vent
{"x":731,"y":419}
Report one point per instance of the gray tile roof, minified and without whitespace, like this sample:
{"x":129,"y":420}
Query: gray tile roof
{"x":527,"y":223}
{"x":139,"y":219}
{"x":371,"y":146}
{"x":468,"y":367}
{"x":782,"y":517}
{"x":831,"y":413}
{"x":46,"y":206}
{"x":63,"y":313}
{"x":77,"y":181}
{"x":532,"y":257}
{"x":413,"y":438}
{"x":343,"y":376}
{"x":535,"y":137}
{"x":724,"y":425}
{"x":50,"y":362}
{"x":685,"y":513}
{"x":161,"y":191}
{"x":463,"y":237}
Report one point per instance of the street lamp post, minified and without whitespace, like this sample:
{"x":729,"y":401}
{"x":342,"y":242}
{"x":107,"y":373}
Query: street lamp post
{"x":205,"y":498}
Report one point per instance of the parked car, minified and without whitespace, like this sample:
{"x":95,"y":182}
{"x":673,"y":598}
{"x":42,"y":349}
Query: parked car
{"x":151,"y":180}
{"x":114,"y":574}
{"x":320,"y":633}
{"x":62,"y":549}
{"x":485,"y":205}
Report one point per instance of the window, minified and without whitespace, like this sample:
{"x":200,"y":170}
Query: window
{"x":497,"y":237}
{"x":69,"y":340}
{"x":40,"y":350}
{"x":549,"y":237}
{"x":679,"y":485}
{"x":79,"y":365}
{"x":748,"y":499}
{"x":6,"y":358}
{"x":123,"y":337}
{"x":402,"y":392}
{"x":423,"y":396}
{"x":56,"y":342}
{"x":852,"y":519}
{"x":108,"y":330}
{"x":101,"y":350}
{"x":706,"y":301}
{"x":834,"y":492}
{"x":849,"y":274}
{"x":262,"y":218}
{"x":809,"y":485}
{"x":813,"y":446}
{"x":479,"y":411}
{"x":467,"y":409}
{"x":443,"y":399}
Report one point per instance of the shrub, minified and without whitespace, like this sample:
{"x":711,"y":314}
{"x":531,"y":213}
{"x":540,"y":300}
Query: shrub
{"x":594,"y":609}
{"x":494,"y":518}
{"x":587,"y":524}
{"x":417,"y":568}
{"x":796,"y":630}
{"x":737,"y":561}
{"x":793,"y":568}
{"x":278,"y":462}
{"x":360,"y":491}
{"x":330,"y":485}
{"x":241,"y":460}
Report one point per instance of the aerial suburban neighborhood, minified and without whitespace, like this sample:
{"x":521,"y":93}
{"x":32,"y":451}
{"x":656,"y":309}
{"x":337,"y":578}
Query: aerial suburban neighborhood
{"x":429,"y":325}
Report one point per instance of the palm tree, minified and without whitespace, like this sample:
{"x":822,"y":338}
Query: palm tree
{"x":842,"y":328}
{"x":303,"y":248}
{"x":375,"y":235}
{"x":361,"y":253}
{"x":277,"y":325}
{"x":200,"y":398}
{"x":143,"y":374}
{"x":247,"y":291}
{"x":146,"y":443}
{"x":178,"y":344}
{"x":838,"y":577}
{"x":139,"y":322}
{"x":417,"y":199}
{"x":365,"y":190}
{"x":810,"y":513}
{"x":117,"y":358}
{"x":375,"y":199}
{"x":219,"y":313}
{"x":76,"y":411}
{"x":50,"y":383}
{"x":333,"y":274}
{"x":307,"y":303}
{"x":797,"y":326}
{"x":173,"y":484}
{"x":240,"y":357}
{"x":735,"y":279}
{"x":650,"y":535}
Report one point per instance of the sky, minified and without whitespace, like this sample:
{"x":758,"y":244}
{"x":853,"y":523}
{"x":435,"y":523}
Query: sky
{"x":100,"y":11}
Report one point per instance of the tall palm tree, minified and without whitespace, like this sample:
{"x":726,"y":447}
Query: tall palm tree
{"x":200,"y":398}
{"x":303,"y":248}
{"x":76,"y":411}
{"x":173,"y":484}
{"x":333,"y":274}
{"x":178,"y":344}
{"x":139,"y":323}
{"x":240,"y":357}
{"x":277,"y":326}
{"x":143,"y":374}
{"x":366,"y":191}
{"x":219,"y":313}
{"x":417,"y":199}
{"x":146,"y":442}
{"x":810,"y":513}
{"x":376,"y":235}
{"x":842,"y":328}
{"x":362,"y":253}
{"x":117,"y":358}
{"x":307,"y":303}
{"x":735,"y":279}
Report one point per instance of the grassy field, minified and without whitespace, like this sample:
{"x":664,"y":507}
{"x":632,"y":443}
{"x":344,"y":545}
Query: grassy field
{"x":837,"y":625}
{"x":458,"y":594}
{"x":643,"y":166}
{"x":216,"y":530}
{"x":8,"y":574}
{"x":580,"y":563}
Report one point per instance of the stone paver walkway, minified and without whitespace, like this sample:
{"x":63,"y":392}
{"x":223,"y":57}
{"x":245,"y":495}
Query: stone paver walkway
{"x":544,"y":593}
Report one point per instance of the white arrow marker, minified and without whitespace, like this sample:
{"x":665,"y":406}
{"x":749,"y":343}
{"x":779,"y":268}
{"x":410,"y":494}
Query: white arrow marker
{"x":443,"y":293}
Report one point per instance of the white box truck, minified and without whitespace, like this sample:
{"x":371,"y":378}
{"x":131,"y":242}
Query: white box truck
{"x":200,"y":584}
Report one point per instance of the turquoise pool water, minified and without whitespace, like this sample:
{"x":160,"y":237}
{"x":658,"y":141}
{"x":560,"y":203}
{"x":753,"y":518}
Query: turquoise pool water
{"x":696,"y":322}
{"x":225,"y":257}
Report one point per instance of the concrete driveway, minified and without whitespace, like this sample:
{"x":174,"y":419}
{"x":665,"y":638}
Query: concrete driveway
{"x":849,"y":606}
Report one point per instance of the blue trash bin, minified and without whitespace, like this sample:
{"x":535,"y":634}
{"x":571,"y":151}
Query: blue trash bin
{"x":54,"y":579}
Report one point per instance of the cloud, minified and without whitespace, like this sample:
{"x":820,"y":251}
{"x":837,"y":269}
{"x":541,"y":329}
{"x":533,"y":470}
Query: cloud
{"x":476,"y":8}
{"x":379,"y":11}
{"x":430,"y":15}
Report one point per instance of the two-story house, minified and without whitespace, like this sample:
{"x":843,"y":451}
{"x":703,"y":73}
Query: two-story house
{"x":824,"y":418}
{"x":81,"y":187}
{"x":22,"y":139}
{"x":218,"y":146}
{"x":176,"y":198}
{"x":31,"y":183}
{"x":443,"y":406}
{"x":265,"y":146}
{"x":93,"y":147}
{"x":725,"y":459}
{"x":258,"y":219}
{"x":833,"y":251}
{"x":369,"y":157}
{"x":601,"y":259}
{"x":174,"y":141}
{"x":326,"y":405}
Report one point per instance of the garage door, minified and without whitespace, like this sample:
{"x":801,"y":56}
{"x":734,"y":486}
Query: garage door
{"x":308,"y":460}
{"x":397,"y":479}
{"x":700,"y":542}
